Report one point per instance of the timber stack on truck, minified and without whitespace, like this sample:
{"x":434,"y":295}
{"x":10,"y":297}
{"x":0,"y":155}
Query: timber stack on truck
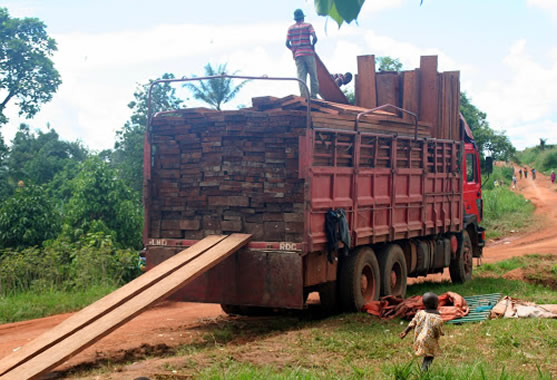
{"x":401,"y":164}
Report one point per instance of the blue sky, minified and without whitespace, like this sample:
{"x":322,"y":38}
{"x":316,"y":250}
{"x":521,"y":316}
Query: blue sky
{"x":506,"y":51}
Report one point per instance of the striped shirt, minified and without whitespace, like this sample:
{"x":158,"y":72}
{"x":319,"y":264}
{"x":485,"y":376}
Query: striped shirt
{"x":299,"y":37}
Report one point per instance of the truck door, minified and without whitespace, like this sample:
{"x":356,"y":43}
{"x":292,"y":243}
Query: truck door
{"x":472,"y":191}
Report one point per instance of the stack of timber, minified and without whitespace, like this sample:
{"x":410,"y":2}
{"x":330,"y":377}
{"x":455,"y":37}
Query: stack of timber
{"x":432,"y":96}
{"x":331,"y":115}
{"x":222,"y":172}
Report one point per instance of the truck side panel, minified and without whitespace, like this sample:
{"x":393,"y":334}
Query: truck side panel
{"x":390,"y":187}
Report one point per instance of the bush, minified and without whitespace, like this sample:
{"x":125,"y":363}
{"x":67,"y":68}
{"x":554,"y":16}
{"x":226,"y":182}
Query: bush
{"x":101,"y":202}
{"x":65,"y":265}
{"x":28,"y":218}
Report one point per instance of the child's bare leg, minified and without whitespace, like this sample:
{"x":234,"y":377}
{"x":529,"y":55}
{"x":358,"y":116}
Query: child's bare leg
{"x":427,"y":362}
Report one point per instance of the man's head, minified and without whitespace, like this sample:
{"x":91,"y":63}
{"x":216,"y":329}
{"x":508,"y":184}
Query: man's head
{"x":430,"y":301}
{"x":299,"y":15}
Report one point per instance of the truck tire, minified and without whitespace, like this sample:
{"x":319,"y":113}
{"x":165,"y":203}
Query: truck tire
{"x":461,"y":266}
{"x":392,"y":265}
{"x":359,"y":279}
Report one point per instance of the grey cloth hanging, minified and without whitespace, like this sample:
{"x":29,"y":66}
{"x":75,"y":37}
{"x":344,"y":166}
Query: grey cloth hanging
{"x":336,"y":229}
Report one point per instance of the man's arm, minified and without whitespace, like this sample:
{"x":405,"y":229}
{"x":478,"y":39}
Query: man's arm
{"x":314,"y":39}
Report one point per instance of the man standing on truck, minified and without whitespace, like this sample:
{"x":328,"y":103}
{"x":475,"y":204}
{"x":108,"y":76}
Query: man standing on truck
{"x":298,"y":40}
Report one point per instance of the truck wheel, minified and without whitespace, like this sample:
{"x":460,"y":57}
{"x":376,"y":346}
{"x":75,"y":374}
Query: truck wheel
{"x":392,"y":264}
{"x":461,"y":266}
{"x":359,"y":279}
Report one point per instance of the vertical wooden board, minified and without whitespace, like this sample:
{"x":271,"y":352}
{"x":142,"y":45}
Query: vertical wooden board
{"x":449,"y":104}
{"x":105,"y":304}
{"x":328,"y":88}
{"x":455,"y":120}
{"x":388,"y":89}
{"x":429,"y":91}
{"x":410,"y":93}
{"x":101,"y":327}
{"x":356,"y":89}
{"x":366,"y":73}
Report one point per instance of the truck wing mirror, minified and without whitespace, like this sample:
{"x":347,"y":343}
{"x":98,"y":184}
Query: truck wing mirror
{"x":489,"y":165}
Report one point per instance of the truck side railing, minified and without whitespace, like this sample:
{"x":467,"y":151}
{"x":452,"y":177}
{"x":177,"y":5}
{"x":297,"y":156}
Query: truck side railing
{"x":222,"y":76}
{"x":368,"y":112}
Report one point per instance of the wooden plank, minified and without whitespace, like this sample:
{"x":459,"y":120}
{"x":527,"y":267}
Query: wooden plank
{"x":106,"y":304}
{"x":328,"y":88}
{"x":449,"y":105}
{"x":410,"y":93}
{"x":387,"y":84}
{"x":356,"y":89}
{"x":429,"y":92}
{"x":367,"y":93}
{"x":94,"y":331}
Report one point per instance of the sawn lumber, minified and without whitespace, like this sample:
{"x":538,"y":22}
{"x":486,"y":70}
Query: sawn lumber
{"x":112,"y":311}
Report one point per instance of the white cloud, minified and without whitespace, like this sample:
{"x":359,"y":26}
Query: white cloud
{"x":525,"y":104}
{"x":548,"y":5}
{"x":100,"y":72}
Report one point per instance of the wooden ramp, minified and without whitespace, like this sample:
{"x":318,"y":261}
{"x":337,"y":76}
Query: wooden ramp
{"x":102,"y":317}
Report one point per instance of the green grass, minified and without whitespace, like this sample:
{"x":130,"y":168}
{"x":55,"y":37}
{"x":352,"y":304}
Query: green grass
{"x":506,"y":211}
{"x":30,"y":305}
{"x":359,"y":346}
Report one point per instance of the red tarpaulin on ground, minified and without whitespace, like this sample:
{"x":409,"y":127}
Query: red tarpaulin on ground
{"x":451,"y":306}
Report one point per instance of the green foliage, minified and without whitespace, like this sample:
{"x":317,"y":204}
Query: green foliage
{"x":216,"y":91}
{"x":543,"y":160}
{"x":65,"y":265}
{"x":26,"y":71}
{"x":388,"y":64}
{"x":499,"y":173}
{"x":505,"y":211}
{"x":28,"y":218}
{"x":5,"y":188}
{"x":339,"y":10}
{"x":128,"y":149}
{"x":101,"y":202}
{"x":496,"y":144}
{"x":37,"y":158}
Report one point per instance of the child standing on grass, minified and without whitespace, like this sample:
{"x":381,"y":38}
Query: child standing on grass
{"x":427,"y":330}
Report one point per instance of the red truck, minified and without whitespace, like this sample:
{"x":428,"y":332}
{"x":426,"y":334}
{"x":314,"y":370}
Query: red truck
{"x":406,"y":177}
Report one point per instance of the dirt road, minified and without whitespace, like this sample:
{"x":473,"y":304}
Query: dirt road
{"x":543,"y":194}
{"x":170,"y":324}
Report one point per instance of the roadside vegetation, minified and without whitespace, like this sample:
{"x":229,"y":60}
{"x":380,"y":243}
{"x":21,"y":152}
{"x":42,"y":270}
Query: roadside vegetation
{"x":505,"y":211}
{"x":542,"y":157}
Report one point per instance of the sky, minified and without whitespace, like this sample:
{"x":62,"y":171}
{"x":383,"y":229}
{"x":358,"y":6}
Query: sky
{"x":505,"y":50}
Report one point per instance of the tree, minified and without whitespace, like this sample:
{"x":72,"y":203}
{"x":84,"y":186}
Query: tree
{"x":497,"y":143}
{"x":217,"y":91}
{"x":388,"y":64}
{"x":28,"y":218}
{"x":36,"y":158}
{"x":102,"y":202}
{"x":341,"y":10}
{"x":542,"y":143}
{"x":128,"y":149}
{"x":5,"y":189}
{"x":26,"y":71}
